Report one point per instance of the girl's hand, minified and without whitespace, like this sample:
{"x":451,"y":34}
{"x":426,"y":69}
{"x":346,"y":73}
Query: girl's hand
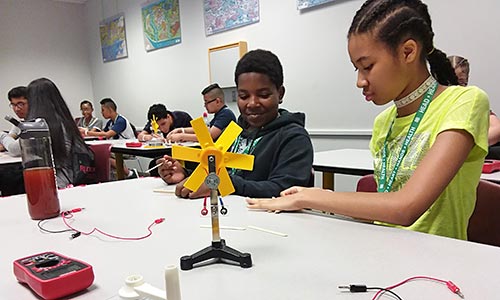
{"x":294,"y":198}
{"x":292,"y":190}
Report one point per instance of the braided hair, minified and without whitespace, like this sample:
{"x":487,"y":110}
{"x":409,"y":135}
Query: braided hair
{"x":394,"y":21}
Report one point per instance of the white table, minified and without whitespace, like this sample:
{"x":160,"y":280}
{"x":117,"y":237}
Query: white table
{"x":319,"y":253}
{"x":355,"y":162}
{"x":495,"y":176}
{"x":342,"y":161}
{"x":7,"y":159}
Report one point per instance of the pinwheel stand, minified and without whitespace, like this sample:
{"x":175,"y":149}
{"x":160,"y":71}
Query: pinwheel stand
{"x":218,"y":251}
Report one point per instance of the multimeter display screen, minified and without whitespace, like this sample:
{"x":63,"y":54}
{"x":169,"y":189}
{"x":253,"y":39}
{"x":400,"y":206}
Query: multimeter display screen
{"x":56,"y":272}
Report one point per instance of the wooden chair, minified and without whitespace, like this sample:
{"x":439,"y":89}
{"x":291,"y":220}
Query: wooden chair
{"x":484,"y":224}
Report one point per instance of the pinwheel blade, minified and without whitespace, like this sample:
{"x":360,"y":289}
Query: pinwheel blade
{"x":201,"y":131}
{"x":239,"y":161}
{"x":225,"y":186}
{"x":186,"y":153}
{"x":227,"y":137}
{"x":196,"y":179}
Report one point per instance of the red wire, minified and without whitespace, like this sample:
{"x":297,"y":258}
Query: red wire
{"x":69,"y":214}
{"x":379,"y":293}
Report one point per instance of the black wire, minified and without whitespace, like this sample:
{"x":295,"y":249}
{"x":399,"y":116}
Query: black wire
{"x":384,"y":291}
{"x":51,"y":231}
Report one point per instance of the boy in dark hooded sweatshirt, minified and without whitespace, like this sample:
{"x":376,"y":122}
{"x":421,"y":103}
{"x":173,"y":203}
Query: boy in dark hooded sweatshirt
{"x":277,"y":138}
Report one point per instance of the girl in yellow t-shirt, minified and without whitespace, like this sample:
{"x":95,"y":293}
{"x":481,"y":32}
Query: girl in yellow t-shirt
{"x":428,"y":148}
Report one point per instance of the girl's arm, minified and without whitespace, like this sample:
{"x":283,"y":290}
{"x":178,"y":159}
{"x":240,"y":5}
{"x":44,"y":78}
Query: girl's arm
{"x":404,"y":207}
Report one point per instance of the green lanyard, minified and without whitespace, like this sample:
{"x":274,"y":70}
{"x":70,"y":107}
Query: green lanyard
{"x":248,"y":149}
{"x":382,"y":186}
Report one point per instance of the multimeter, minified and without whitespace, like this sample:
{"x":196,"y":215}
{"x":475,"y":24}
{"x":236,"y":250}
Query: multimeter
{"x":52,"y":275}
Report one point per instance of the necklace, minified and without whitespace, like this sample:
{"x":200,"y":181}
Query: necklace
{"x":417,"y":93}
{"x":385,"y":184}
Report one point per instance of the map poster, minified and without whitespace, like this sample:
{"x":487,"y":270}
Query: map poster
{"x":222,"y":15}
{"x":301,"y":4}
{"x":113,"y":41}
{"x":161,"y":24}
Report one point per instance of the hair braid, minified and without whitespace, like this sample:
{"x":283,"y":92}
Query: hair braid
{"x":394,"y":21}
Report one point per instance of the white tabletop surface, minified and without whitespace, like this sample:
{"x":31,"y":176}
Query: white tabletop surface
{"x":361,"y":159}
{"x":344,"y":158}
{"x":319,"y":253}
{"x":6,"y":158}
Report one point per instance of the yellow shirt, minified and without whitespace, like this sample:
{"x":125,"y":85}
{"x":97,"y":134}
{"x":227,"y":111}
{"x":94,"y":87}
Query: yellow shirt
{"x":465,"y":108}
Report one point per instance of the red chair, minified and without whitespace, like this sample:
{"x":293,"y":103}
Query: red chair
{"x":367,"y":184}
{"x":484,"y":224}
{"x":102,"y":154}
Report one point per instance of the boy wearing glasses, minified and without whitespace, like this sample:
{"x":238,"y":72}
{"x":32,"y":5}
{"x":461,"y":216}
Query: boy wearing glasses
{"x":213,"y":97}
{"x":19,"y":104}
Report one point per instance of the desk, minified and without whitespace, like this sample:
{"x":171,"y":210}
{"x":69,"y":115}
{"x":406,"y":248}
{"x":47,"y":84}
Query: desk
{"x":319,"y":253}
{"x":342,"y":161}
{"x":119,"y":148}
{"x":6,"y":159}
{"x":355,"y":162}
{"x":495,"y":176}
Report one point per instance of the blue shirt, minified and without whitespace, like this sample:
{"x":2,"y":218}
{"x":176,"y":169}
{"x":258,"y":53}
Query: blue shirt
{"x":222,"y":118}
{"x":122,"y":128}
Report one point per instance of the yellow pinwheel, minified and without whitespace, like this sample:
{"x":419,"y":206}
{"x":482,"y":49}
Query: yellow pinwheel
{"x":223,"y":159}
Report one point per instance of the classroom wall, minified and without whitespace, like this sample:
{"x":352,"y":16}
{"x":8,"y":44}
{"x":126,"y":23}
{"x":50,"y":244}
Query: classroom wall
{"x":43,"y":38}
{"x":61,"y":41}
{"x":311,"y":44}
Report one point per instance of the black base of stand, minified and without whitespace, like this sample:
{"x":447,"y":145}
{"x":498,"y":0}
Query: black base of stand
{"x":218,"y":251}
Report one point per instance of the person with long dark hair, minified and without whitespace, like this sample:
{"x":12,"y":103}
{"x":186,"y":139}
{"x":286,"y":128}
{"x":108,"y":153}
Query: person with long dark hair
{"x":428,"y":147}
{"x":47,"y":102}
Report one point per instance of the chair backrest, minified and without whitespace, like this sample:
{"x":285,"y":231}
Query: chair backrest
{"x":367,"y":184}
{"x":102,"y":163}
{"x":484,"y":224}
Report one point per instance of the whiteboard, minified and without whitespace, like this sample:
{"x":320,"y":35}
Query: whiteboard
{"x":222,"y":61}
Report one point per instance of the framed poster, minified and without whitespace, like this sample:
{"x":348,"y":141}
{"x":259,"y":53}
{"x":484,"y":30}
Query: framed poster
{"x":301,"y":4}
{"x":161,"y":24}
{"x":113,"y":41}
{"x":222,"y":15}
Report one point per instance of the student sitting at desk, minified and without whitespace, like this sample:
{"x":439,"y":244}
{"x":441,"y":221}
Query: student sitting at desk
{"x":428,"y":148}
{"x":277,"y":138}
{"x":11,"y":177}
{"x":117,"y":127}
{"x":87,"y":121}
{"x":213,"y":97}
{"x":46,"y":102}
{"x":19,"y":104}
{"x":167,"y":121}
{"x":462,"y":68}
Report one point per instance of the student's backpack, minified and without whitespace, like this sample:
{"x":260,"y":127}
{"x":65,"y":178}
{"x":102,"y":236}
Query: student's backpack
{"x":83,"y":165}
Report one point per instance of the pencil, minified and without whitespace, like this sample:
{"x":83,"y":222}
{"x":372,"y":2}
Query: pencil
{"x":267,"y":230}
{"x":163,"y":191}
{"x":149,"y":170}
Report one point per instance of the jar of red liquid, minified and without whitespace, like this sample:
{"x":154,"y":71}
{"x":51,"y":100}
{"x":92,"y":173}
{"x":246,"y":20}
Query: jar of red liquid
{"x":38,"y":169}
